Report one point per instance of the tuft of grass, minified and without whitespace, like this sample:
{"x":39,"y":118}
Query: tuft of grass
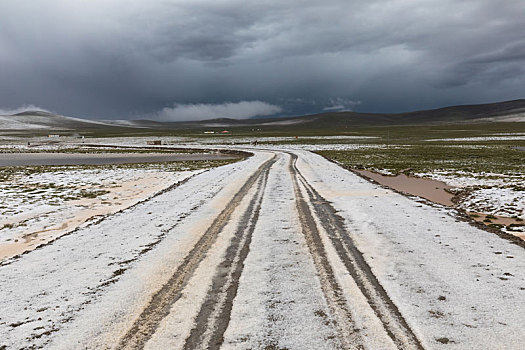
{"x":92,"y":194}
{"x":498,"y":226}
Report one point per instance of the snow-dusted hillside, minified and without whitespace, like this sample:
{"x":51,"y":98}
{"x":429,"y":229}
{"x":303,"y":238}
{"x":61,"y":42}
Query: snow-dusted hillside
{"x":38,"y":120}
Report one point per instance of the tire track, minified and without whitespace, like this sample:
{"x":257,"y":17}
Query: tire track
{"x":387,"y":312}
{"x":214,"y":316}
{"x":348,"y":334}
{"x":159,"y":306}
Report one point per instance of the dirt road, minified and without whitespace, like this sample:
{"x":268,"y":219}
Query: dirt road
{"x":284,"y":250}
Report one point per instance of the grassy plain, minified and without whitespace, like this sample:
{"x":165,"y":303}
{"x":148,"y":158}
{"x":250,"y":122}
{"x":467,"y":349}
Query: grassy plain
{"x":407,"y":149}
{"x":7,"y":173}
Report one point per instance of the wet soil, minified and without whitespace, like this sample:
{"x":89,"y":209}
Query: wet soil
{"x":437,"y":192}
{"x":215,"y":313}
{"x":387,"y":312}
{"x":146,"y":324}
{"x":433,"y":190}
{"x":492,"y":220}
{"x":80,"y":211}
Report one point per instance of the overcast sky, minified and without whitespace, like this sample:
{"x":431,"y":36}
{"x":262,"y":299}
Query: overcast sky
{"x":197,"y":59}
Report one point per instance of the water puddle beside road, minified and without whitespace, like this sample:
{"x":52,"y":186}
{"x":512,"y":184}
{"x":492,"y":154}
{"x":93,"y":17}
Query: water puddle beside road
{"x":497,"y":220}
{"x":436,"y":191}
{"x":432,"y":190}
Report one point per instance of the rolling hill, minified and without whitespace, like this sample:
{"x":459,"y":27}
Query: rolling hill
{"x":40,"y":120}
{"x":508,"y":111}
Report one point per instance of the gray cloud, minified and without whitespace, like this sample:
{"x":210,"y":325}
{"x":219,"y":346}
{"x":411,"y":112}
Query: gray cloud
{"x":504,"y":63}
{"x":339,"y":104}
{"x":122,"y":58}
{"x":242,"y":109}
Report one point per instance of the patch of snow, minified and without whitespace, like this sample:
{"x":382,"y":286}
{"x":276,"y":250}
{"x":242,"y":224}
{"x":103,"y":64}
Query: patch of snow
{"x":482,"y":138}
{"x":448,"y":278}
{"x":510,"y":118}
{"x":490,"y":193}
{"x":12,"y":123}
{"x":45,"y":291}
{"x":41,"y":206}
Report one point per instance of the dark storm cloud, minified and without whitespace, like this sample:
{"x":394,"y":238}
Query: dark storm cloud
{"x":243,"y":109}
{"x":171,"y":59}
{"x":505,"y":63}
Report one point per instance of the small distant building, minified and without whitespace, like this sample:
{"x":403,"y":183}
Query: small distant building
{"x":154,"y":142}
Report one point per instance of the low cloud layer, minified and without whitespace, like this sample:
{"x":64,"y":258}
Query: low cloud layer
{"x":341,"y":104}
{"x":241,"y":110}
{"x":121,"y":58}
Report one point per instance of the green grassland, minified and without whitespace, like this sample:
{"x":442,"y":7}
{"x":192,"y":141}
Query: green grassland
{"x":396,"y":147}
{"x":7,"y":173}
{"x":407,"y":149}
{"x":409,"y":159}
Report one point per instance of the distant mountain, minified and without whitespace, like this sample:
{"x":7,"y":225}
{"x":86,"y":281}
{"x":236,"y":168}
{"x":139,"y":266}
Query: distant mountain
{"x":508,"y":111}
{"x":141,"y":124}
{"x":467,"y":113}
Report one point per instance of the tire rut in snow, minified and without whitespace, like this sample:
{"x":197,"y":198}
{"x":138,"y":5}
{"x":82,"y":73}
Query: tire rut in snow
{"x":214,"y":316}
{"x":387,"y":312}
{"x":160,"y":304}
{"x":348,"y":335}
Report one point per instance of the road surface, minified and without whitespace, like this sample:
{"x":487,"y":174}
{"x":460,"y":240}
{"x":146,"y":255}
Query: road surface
{"x":284,"y":250}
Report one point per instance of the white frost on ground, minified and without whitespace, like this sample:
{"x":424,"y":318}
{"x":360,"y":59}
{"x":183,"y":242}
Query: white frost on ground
{"x":482,"y":138}
{"x":321,"y":147}
{"x":452,"y":281}
{"x":44,"y":291}
{"x":11,"y":123}
{"x":279,"y":302}
{"x":35,"y":121}
{"x":47,"y":144}
{"x":496,"y":201}
{"x":489,"y":193}
{"x":39,"y":206}
{"x":215,"y":142}
{"x":516,"y":117}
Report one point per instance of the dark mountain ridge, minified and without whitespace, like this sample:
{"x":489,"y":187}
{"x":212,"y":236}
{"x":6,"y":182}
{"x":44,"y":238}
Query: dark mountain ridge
{"x":479,"y":113}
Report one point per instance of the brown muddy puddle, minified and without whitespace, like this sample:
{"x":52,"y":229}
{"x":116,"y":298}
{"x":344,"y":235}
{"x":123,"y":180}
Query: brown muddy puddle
{"x":489,"y":219}
{"x":433,"y":190}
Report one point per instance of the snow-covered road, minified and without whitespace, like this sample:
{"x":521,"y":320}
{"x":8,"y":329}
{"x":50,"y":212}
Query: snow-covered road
{"x":282,"y":250}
